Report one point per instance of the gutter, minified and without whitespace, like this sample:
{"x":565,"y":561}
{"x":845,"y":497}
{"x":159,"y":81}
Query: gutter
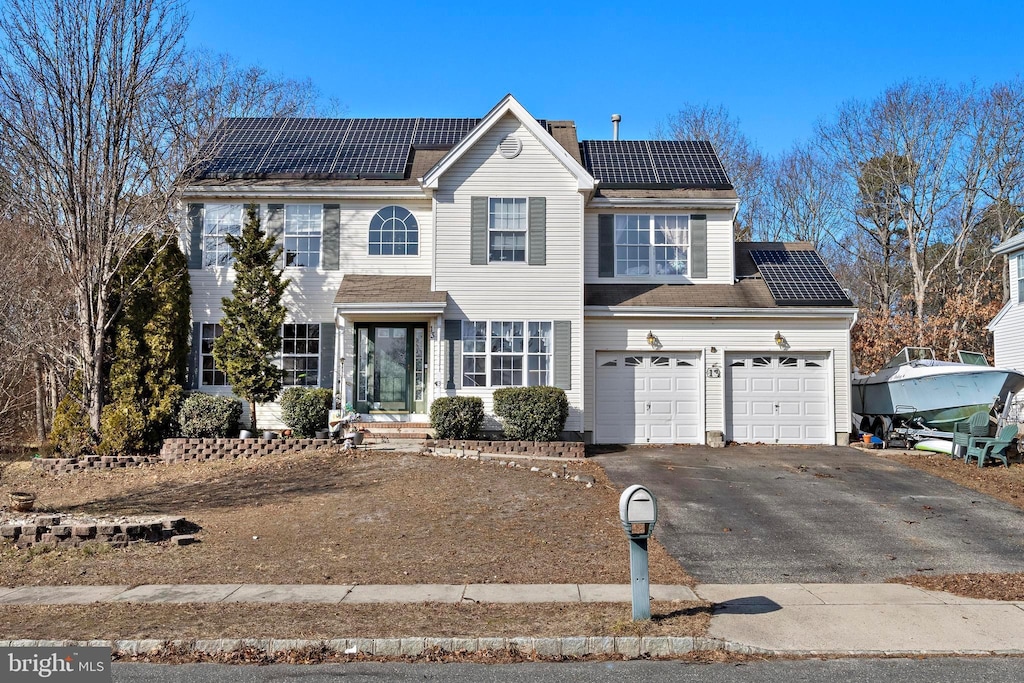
{"x":675,"y":202}
{"x":343,"y":192}
{"x":689,"y":312}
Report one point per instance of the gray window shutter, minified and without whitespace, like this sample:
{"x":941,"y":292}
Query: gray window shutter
{"x":606,"y":245}
{"x":537,"y":229}
{"x":478,"y":231}
{"x":275,"y":221}
{"x":698,"y":246}
{"x":562,"y":349}
{"x":327,"y":355}
{"x":453,"y":340}
{"x":331,"y":242}
{"x":195,"y":366}
{"x":195,"y":236}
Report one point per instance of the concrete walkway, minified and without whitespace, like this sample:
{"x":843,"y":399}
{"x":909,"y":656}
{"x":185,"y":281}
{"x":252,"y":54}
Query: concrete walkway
{"x":771,"y":618}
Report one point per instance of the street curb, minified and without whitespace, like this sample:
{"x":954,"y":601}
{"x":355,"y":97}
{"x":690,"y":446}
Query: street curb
{"x":627,"y":647}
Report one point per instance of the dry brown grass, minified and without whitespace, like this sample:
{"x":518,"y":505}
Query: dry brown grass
{"x":373,"y":518}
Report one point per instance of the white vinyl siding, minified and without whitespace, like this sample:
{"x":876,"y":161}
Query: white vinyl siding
{"x":720,"y":249}
{"x":714,"y":339}
{"x":512,"y":291}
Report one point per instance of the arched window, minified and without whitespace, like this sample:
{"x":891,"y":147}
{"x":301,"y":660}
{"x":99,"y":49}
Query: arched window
{"x":394,"y":232}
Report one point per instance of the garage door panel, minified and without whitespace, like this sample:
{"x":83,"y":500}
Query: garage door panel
{"x":778,"y":398}
{"x":663,"y":390}
{"x":790,"y":385}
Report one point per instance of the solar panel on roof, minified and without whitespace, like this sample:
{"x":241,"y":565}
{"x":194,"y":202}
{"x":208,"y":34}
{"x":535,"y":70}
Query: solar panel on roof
{"x":654,"y":163}
{"x":798,"y":278}
{"x":372,"y":160}
{"x":299,"y":159}
{"x":441,"y":133}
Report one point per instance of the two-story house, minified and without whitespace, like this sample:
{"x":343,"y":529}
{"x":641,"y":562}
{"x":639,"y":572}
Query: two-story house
{"x":439,"y":257}
{"x":1008,"y":326}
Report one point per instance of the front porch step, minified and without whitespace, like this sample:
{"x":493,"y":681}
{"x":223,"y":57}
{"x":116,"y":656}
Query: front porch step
{"x":396,"y":431}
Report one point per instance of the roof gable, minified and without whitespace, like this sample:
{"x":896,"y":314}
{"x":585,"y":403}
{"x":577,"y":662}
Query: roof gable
{"x":1015,"y":243}
{"x":509,"y":105}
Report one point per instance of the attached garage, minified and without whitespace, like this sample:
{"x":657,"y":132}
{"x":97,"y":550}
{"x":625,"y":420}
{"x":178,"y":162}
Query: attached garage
{"x":780,"y":398}
{"x":650,"y":397}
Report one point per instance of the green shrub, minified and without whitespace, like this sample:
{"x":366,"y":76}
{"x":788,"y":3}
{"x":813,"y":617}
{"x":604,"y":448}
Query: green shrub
{"x":306,"y":410}
{"x":122,"y":427}
{"x":70,"y":433}
{"x":456,"y":417}
{"x":532,"y":413}
{"x":206,"y":416}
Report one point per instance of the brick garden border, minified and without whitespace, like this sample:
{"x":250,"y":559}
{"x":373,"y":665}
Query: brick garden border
{"x":547,"y":449}
{"x":49,"y":530}
{"x":91,"y":462}
{"x":188,"y":450}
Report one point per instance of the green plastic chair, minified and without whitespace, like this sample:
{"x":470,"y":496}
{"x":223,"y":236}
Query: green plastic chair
{"x":985,"y":448}
{"x":977,"y":425}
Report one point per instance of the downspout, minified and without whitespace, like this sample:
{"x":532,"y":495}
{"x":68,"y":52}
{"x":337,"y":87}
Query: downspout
{"x":339,"y":350}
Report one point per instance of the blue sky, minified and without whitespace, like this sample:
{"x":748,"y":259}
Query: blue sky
{"x":778,"y":67}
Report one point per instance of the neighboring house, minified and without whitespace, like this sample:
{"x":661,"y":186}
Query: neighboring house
{"x":1008,"y":326}
{"x":441,"y":257}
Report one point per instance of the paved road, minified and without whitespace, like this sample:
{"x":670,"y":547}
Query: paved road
{"x":777,"y":514}
{"x":994,"y":670}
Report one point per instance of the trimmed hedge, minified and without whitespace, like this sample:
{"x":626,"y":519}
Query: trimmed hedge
{"x":456,"y":417}
{"x":204,"y":416}
{"x":306,"y":410}
{"x":532,"y":413}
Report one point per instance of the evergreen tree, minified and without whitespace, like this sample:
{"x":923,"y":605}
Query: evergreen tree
{"x":253,"y":316}
{"x":149,"y":350}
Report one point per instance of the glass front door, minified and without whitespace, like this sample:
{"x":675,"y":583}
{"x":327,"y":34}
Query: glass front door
{"x":391,"y":372}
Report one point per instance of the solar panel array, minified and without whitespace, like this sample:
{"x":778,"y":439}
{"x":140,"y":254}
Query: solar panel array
{"x":654,"y":163}
{"x":323,"y":148}
{"x":799,"y":278}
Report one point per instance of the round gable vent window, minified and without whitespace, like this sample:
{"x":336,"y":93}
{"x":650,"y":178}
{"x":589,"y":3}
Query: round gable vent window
{"x":510,"y":147}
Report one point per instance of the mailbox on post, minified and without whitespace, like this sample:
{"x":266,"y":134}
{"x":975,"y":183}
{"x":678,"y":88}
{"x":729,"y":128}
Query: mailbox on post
{"x":638,"y":512}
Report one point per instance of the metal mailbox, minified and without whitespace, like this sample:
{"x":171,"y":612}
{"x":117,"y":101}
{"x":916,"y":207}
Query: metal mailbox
{"x":638,"y":512}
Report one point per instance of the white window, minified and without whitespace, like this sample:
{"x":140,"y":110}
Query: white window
{"x":220,"y":220}
{"x":651,"y":245}
{"x":1020,"y":278}
{"x":212,"y":377}
{"x":394,"y":232}
{"x":506,"y":229}
{"x":506,"y":353}
{"x":300,"y":354}
{"x":474,"y":354}
{"x":303,"y":226}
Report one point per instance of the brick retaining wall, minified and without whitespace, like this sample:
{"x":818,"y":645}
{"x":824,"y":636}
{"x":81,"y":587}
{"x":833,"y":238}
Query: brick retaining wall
{"x":548,"y":449}
{"x":48,"y":530}
{"x":182,"y":450}
{"x":91,"y":462}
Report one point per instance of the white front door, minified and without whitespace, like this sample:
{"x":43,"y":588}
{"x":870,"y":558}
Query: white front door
{"x":648,"y":398}
{"x":778,"y":398}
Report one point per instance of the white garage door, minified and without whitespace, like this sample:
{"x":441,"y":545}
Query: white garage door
{"x":648,"y":398}
{"x":781,"y":398}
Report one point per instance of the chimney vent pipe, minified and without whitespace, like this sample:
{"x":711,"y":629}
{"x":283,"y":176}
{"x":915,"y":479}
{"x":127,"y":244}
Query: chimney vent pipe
{"x":615,"y":126}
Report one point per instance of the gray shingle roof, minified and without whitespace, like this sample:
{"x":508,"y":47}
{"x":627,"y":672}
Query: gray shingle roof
{"x":387,"y":289}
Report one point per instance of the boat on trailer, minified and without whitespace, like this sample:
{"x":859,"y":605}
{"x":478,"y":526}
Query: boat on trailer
{"x":915,"y":389}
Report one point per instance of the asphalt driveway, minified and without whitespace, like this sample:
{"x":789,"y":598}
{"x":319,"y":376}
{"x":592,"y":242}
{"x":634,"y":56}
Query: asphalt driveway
{"x":778,"y":514}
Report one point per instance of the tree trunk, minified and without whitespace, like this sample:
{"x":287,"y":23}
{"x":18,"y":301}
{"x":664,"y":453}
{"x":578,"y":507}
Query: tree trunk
{"x":40,"y":399}
{"x":252,"y":417}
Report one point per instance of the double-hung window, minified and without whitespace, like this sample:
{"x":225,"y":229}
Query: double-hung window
{"x":303,"y":227}
{"x":220,"y":220}
{"x":506,"y":229}
{"x":1020,"y":278}
{"x":651,"y":245}
{"x":300,"y":351}
{"x":512,"y":353}
{"x":212,"y":377}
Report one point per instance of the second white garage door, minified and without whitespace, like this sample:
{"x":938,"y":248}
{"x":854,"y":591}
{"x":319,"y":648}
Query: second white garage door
{"x":778,"y":398}
{"x":648,"y":398}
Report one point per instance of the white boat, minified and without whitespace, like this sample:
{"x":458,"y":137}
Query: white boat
{"x":913,"y":388}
